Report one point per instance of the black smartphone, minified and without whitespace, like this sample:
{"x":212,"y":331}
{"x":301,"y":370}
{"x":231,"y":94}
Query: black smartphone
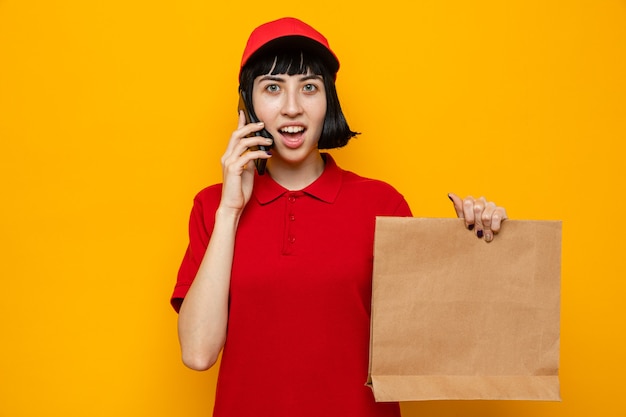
{"x":246,"y":106}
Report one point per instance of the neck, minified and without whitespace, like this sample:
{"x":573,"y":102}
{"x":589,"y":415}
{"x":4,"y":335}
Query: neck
{"x":296,"y":176}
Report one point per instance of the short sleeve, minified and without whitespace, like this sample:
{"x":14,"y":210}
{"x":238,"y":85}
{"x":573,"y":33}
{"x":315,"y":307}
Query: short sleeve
{"x":201,"y":221}
{"x":403,"y":209}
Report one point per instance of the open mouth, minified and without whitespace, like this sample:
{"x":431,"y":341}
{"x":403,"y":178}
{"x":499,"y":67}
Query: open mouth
{"x":293,"y":136}
{"x":292,"y":130}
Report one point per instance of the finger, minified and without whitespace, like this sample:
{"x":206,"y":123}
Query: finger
{"x":242,"y":139}
{"x":234,"y":137}
{"x":244,"y":152}
{"x":241,"y":122}
{"x":251,"y":128}
{"x":468,"y":212}
{"x":487,"y":218}
{"x":478,"y":209}
{"x":499,"y":215}
{"x":251,"y":143}
{"x":458,"y":204}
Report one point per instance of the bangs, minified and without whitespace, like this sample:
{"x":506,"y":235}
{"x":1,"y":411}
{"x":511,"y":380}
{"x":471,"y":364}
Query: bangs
{"x":289,"y":62}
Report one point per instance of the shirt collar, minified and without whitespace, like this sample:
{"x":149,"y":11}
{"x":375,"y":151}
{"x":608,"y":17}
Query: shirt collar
{"x":325,"y":188}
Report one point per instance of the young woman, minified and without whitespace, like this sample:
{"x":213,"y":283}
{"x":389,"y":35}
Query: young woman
{"x":277,"y":274}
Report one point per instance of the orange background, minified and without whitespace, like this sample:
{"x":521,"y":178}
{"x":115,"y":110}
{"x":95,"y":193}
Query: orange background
{"x":114,"y":114}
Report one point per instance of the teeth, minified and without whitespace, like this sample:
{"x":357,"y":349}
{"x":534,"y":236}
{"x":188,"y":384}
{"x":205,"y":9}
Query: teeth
{"x":292,"y":129}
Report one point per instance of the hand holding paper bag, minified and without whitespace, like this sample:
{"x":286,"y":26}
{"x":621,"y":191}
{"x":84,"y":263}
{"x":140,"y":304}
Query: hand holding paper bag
{"x":483,"y":217}
{"x":444,"y":326}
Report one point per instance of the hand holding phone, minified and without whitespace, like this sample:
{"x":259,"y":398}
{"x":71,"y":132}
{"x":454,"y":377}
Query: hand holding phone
{"x":246,"y":106}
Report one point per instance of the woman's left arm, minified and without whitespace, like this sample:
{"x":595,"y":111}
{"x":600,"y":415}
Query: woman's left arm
{"x":481,"y":216}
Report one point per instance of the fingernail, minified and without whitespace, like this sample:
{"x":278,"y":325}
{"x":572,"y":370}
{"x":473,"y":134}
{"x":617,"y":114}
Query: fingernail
{"x":470,"y":227}
{"x":479,"y":233}
{"x":268,"y":140}
{"x":450,"y":198}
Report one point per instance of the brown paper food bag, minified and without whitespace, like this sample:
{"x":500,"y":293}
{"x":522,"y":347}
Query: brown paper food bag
{"x":456,"y":318}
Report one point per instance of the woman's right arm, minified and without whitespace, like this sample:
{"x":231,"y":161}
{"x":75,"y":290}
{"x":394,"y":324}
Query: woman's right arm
{"x":203,"y":316}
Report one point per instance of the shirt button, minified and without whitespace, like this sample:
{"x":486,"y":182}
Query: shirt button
{"x":292,"y":239}
{"x":292,"y":218}
{"x":292,"y":199}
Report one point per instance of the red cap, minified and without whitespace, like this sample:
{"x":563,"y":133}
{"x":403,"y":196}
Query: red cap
{"x":289,"y":32}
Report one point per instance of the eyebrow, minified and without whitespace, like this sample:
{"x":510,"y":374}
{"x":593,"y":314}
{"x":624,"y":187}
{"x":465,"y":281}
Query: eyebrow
{"x":312,"y":77}
{"x":279,"y":78}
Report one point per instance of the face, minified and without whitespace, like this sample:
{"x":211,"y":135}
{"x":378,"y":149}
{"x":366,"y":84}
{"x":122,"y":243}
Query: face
{"x":293,"y":108}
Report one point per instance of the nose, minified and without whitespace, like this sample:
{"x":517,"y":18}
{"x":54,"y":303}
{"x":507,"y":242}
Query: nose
{"x":291,"y":104}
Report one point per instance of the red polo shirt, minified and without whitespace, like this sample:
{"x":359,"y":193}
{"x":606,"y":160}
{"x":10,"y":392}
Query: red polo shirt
{"x":299,"y":318}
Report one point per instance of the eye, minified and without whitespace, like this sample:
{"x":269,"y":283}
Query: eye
{"x":272,"y":88}
{"x":310,"y":88}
